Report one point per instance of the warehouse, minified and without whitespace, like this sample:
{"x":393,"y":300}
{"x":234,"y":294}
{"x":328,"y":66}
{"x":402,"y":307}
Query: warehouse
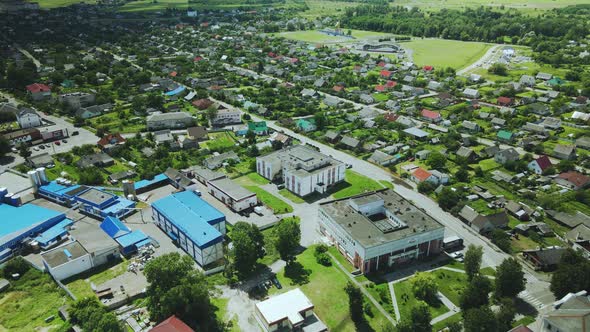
{"x":196,"y":226}
{"x":54,"y":235}
{"x":128,"y":240}
{"x":67,"y":260}
{"x":101,"y":247}
{"x":231,"y":194}
{"x":19,"y":223}
{"x":380,"y":230}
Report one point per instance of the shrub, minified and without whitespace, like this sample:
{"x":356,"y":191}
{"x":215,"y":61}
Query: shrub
{"x":323,"y":258}
{"x":14,"y":266}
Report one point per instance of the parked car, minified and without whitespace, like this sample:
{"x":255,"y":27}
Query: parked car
{"x":75,"y":133}
{"x":64,"y":140}
{"x":276,"y":282}
{"x":42,"y":147}
{"x":57,"y":143}
{"x":35,"y":149}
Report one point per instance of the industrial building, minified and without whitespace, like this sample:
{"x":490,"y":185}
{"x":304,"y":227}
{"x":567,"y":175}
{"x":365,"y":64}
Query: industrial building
{"x":196,"y":226}
{"x":129,"y":241}
{"x":302,"y":169}
{"x":67,"y":260}
{"x":54,"y":235}
{"x":290,"y":311}
{"x":379,"y":230}
{"x":231,"y":194}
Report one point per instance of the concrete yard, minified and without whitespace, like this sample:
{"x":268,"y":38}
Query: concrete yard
{"x":14,"y":183}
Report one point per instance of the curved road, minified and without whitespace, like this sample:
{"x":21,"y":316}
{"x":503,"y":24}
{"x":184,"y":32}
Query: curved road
{"x":479,"y":63}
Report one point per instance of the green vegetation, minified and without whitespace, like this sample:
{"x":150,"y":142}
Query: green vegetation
{"x":290,"y":196}
{"x":220,"y":141}
{"x":406,"y":300}
{"x":276,"y":204}
{"x":314,"y":36}
{"x":162,"y":5}
{"x":355,"y":184}
{"x":508,"y":5}
{"x":80,"y":285}
{"x":61,"y":3}
{"x":445,"y":53}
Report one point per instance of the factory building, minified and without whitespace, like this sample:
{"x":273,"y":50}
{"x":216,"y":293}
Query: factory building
{"x":67,"y":260}
{"x":129,"y":241}
{"x":196,"y":226}
{"x":380,"y":230}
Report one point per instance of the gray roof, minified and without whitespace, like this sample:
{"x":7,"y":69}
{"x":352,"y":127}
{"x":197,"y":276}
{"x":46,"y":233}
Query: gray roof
{"x":301,"y":159}
{"x":169,"y":116}
{"x":88,"y":232}
{"x":58,"y":256}
{"x":231,"y":188}
{"x":350,"y":141}
{"x":205,"y":173}
{"x":579,"y":233}
{"x":572,"y":315}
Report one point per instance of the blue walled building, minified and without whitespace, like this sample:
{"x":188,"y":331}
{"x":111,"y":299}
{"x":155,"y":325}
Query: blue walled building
{"x":196,"y":226}
{"x":128,"y":240}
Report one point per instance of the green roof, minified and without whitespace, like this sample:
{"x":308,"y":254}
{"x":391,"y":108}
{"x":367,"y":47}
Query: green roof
{"x":306,"y":124}
{"x":503,"y":134}
{"x":257,"y":127}
{"x":555,"y":81}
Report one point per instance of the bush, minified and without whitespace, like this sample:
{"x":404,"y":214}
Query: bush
{"x":323,"y":258}
{"x":322,"y":248}
{"x":14,"y":266}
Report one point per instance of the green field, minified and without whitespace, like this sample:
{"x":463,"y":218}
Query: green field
{"x":356,"y":184}
{"x":160,"y":5}
{"x":523,"y":5}
{"x":60,"y":3}
{"x":325,"y":8}
{"x":291,"y":196}
{"x":445,"y":53}
{"x":315,"y":36}
{"x":80,"y":286}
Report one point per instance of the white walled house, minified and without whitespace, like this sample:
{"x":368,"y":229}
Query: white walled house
{"x":226,"y":116}
{"x":231,"y":194}
{"x":379,"y":230}
{"x":302,"y":169}
{"x":290,"y":311}
{"x":67,"y":260}
{"x":27,"y":118}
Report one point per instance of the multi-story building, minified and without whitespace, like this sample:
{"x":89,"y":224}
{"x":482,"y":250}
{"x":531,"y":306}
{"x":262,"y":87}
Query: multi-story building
{"x":302,"y":169}
{"x":173,"y":120}
{"x":77,"y":100}
{"x":226,"y":116}
{"x":378,"y":230}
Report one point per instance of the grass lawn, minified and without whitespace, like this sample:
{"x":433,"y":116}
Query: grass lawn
{"x":315,"y":36}
{"x":272,"y":255}
{"x":29,"y":301}
{"x":487,"y":271}
{"x":292,"y":197}
{"x":325,"y":289}
{"x":444,"y":323}
{"x":325,"y":8}
{"x":405,"y":306}
{"x":530,"y":7}
{"x":276,"y":204}
{"x":81,"y":285}
{"x":113,"y":122}
{"x":387,"y":184}
{"x":355,"y":184}
{"x":445,"y":53}
{"x":220,"y":141}
{"x":221,"y":312}
{"x":488,"y":164}
{"x":61,"y":3}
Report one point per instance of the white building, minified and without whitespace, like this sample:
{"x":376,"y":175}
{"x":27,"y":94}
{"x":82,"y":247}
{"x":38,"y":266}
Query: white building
{"x":379,"y":230}
{"x":173,"y":120}
{"x":27,"y":118}
{"x":67,"y":260}
{"x":303,"y":169}
{"x":226,"y":116}
{"x":231,"y":194}
{"x":77,"y":100}
{"x":288,"y":311}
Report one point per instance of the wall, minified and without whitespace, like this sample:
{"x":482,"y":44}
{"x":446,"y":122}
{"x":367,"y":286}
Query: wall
{"x":71,"y":268}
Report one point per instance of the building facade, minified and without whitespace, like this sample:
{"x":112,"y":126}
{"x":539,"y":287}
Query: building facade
{"x":231,"y":194}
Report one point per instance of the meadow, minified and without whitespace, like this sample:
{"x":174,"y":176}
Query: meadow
{"x":445,"y":53}
{"x":315,"y":36}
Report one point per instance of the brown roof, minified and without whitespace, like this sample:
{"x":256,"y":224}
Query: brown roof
{"x":576,"y":178}
{"x":197,"y":132}
{"x":111,"y":139}
{"x":202,"y":103}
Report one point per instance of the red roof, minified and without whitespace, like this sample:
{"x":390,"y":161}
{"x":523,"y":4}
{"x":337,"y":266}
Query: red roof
{"x":111,"y":139}
{"x":202,"y":103}
{"x":198,"y":58}
{"x":504,"y":101}
{"x":428,"y":68}
{"x":385,"y":73}
{"x":38,"y":87}
{"x":430,"y":114}
{"x":271,"y":54}
{"x":521,"y":328}
{"x":380,"y":88}
{"x":543,"y":162}
{"x":576,"y":178}
{"x":390,"y":116}
{"x":173,"y":74}
{"x":391,"y":84}
{"x":381,"y":64}
{"x":294,"y":60}
{"x":421,"y":174}
{"x":338,"y":88}
{"x":172,"y":324}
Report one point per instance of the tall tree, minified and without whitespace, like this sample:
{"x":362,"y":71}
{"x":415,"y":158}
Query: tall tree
{"x":572,"y":274}
{"x":505,"y":316}
{"x":424,"y":286}
{"x":472,"y":260}
{"x":92,"y":316}
{"x":355,"y":302}
{"x":476,"y":293}
{"x":4,"y":146}
{"x":480,"y":319}
{"x":288,"y":235}
{"x":247,"y":248}
{"x":24,"y":151}
{"x":509,"y":278}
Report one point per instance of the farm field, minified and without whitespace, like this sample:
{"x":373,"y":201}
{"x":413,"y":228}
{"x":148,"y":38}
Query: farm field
{"x":445,"y":53}
{"x":315,"y":36}
{"x":524,"y":5}
{"x":61,"y":3}
{"x":323,"y":8}
{"x":149,"y":5}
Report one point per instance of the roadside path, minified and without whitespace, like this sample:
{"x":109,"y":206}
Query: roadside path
{"x":479,"y":63}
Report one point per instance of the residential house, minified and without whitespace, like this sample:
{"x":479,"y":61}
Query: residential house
{"x":583,"y":142}
{"x":40,"y":160}
{"x":27,"y":118}
{"x":350,"y":142}
{"x":467,"y":153}
{"x":470,"y":126}
{"x":165,"y":137}
{"x":225,"y":116}
{"x":518,"y":210}
{"x":431,"y":116}
{"x":422,"y":154}
{"x":544,"y":259}
{"x":483,"y":224}
{"x":570,"y":314}
{"x":38,"y":91}
{"x":309,"y":93}
{"x":93,"y":111}
{"x":332,"y":136}
{"x":544,"y":76}
{"x":110,"y":142}
{"x":258,"y":127}
{"x":290,"y":311}
{"x":202,"y":104}
{"x":498,"y":122}
{"x":538,"y":108}
{"x":381,"y":158}
{"x":507,"y":155}
{"x":527,"y":80}
{"x":573,"y":180}
{"x":280,"y":137}
{"x":306,"y":125}
{"x":505,"y":136}
{"x":471,"y":93}
{"x":490,"y":151}
{"x":331,"y":101}
{"x":565,"y":152}
{"x":198,"y":133}
{"x":77,"y":100}
{"x":420,"y":175}
{"x":551,"y":123}
{"x":366,"y":98}
{"x":504,"y":101}
{"x":174,"y":120}
{"x":540,"y":165}
{"x":217,"y":161}
{"x":579,"y":239}
{"x":100,"y":159}
{"x":439,"y":177}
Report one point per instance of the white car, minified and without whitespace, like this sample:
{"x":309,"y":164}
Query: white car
{"x":36,"y":149}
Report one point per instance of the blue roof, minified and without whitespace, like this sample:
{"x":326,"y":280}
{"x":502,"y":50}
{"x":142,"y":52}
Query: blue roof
{"x":14,"y":219}
{"x":120,"y":204}
{"x":57,"y":189}
{"x":132,"y":238}
{"x":114,"y":227}
{"x":175,"y":91}
{"x":144,"y":183}
{"x":52,"y":233}
{"x":192,"y":215}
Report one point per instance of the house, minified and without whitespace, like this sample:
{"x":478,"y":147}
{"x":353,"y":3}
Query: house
{"x":439,"y":177}
{"x":290,"y":311}
{"x":196,"y":226}
{"x":416,"y":133}
{"x":218,"y":160}
{"x":381,"y":158}
{"x":379,"y":230}
{"x":306,"y":125}
{"x":38,"y":91}
{"x":173,"y":120}
{"x":579,"y":239}
{"x":350,"y":142}
{"x":28,"y":118}
{"x":198,"y":133}
{"x":166,"y":137}
{"x":527,"y":80}
{"x":77,"y":100}
{"x":172,"y":323}
{"x":332,"y":136}
{"x":202,"y":104}
{"x":110,"y":142}
{"x":122,"y":175}
{"x":504,"y":101}
{"x":565,"y":152}
{"x":583,"y":142}
{"x":420,"y":175}
{"x":226,"y":116}
{"x":471,"y":93}
{"x":483,"y":224}
{"x":309,"y":93}
{"x":573,"y":180}
{"x":570,"y":314}
{"x":507,"y":155}
{"x":570,"y":220}
{"x":467,"y":153}
{"x":554,"y":82}
{"x":544,"y":259}
{"x":538,"y":108}
{"x":41,"y":160}
{"x":518,"y":210}
{"x":366,"y":98}
{"x":258,"y":127}
{"x":280,"y":137}
{"x":236,"y":197}
{"x":431,"y":116}
{"x":540,"y":165}
{"x":100,"y":159}
{"x":551,"y":123}
{"x":470,"y":126}
{"x":302,"y":169}
{"x":490,"y":151}
{"x":505,"y":136}
{"x":422,"y":154}
{"x":331,"y":101}
{"x":543,"y":76}
{"x":499,"y":122}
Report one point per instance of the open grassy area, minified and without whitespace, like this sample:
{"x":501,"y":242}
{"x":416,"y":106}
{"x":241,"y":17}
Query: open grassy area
{"x":325,"y":8}
{"x":80,"y":285}
{"x":29,"y":301}
{"x":315,"y":36}
{"x":292,"y":197}
{"x":220,"y":141}
{"x":129,"y":124}
{"x":276,"y":204}
{"x":445,"y":53}
{"x":406,"y":301}
{"x":325,"y":289}
{"x":355,"y":184}
{"x":61,"y":3}
{"x":161,"y":5}
{"x":527,"y":6}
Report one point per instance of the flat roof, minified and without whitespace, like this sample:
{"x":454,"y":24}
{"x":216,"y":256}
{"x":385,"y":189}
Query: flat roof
{"x":64,"y":254}
{"x":287,"y":305}
{"x":132,"y":238}
{"x":95,"y":196}
{"x":88,"y":232}
{"x":192,"y":215}
{"x":231,"y":188}
{"x":55,"y":231}
{"x":301,"y":159}
{"x":20,"y":219}
{"x":370,"y":233}
{"x":145,"y":183}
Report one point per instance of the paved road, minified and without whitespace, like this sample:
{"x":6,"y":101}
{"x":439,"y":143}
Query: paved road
{"x":480,"y":63}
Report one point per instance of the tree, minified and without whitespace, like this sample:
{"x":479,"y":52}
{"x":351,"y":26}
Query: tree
{"x":355,"y":302}
{"x":498,"y":69}
{"x":476,"y":293}
{"x":472,"y":260}
{"x":424,"y":286}
{"x":24,"y":151}
{"x":177,"y":288}
{"x":448,"y":198}
{"x":505,"y":316}
{"x":92,"y":316}
{"x":426,"y":187}
{"x":16,"y":265}
{"x":436,"y":160}
{"x":248,"y":247}
{"x":288,"y":235}
{"x":509,"y":278}
{"x":4,"y":146}
{"x":462,"y":175}
{"x":91,"y":176}
{"x":572,"y":274}
{"x":502,"y":240}
{"x":320,"y":121}
{"x":420,"y":316}
{"x":211,"y":113}
{"x":566,"y":165}
{"x":480,"y":319}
